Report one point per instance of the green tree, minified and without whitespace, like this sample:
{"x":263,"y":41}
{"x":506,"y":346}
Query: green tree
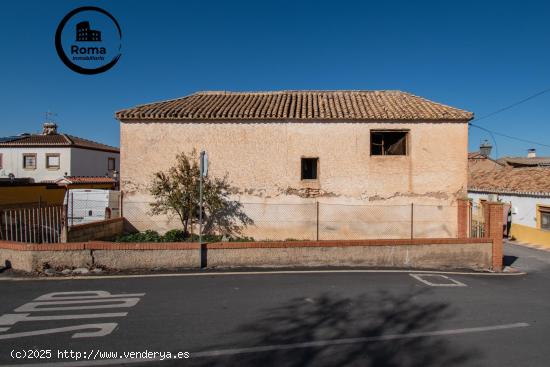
{"x":176,"y":192}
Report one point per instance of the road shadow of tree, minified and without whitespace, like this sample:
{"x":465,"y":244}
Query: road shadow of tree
{"x":331,"y":317}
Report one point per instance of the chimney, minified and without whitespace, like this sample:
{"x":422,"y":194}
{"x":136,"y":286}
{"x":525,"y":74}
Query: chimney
{"x":485,"y":148}
{"x":49,"y":128}
{"x":531,"y":153}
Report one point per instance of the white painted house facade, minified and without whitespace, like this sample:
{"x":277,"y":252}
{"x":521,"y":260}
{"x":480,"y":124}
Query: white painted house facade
{"x":526,"y":190}
{"x":51,"y":155}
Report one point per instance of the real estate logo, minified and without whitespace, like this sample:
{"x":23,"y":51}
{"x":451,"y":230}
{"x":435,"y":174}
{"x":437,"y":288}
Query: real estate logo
{"x":88,"y":40}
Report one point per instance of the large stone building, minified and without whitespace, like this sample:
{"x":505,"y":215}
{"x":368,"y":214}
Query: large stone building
{"x":365,"y":156}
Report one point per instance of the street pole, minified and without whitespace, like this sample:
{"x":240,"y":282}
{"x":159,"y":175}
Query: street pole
{"x":200,"y":196}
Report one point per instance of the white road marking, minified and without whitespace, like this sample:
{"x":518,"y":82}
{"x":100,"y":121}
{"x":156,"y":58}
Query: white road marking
{"x":39,"y":306}
{"x":450,"y":282}
{"x":58,"y":301}
{"x":12,"y":318}
{"x":311,"y":344}
{"x":83,"y":295}
{"x":102,"y":330}
{"x":268,"y":272}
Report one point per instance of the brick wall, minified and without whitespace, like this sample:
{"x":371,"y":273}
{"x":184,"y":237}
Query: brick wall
{"x":494,"y":230}
{"x":463,"y":217}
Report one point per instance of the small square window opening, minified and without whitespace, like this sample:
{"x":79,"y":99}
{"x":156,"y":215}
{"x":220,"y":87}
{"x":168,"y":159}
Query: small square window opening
{"x":309,"y":168}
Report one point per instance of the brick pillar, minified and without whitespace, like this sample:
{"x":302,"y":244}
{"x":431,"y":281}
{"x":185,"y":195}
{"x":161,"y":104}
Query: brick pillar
{"x":493,"y":229}
{"x":486,"y":219}
{"x":463,"y":218}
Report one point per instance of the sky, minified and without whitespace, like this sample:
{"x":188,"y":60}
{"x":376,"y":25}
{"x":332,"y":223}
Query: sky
{"x":476,"y":55}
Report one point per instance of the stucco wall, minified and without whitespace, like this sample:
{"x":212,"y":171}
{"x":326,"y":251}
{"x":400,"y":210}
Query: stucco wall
{"x":87,"y":162}
{"x":262,"y":161}
{"x":30,"y":261}
{"x":12,"y":160}
{"x":442,"y":256}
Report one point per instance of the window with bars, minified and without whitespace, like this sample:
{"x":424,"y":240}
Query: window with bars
{"x":29,"y":161}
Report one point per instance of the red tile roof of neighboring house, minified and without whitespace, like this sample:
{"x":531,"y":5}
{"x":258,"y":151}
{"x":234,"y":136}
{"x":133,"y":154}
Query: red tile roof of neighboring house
{"x":86,"y":180}
{"x":57,"y":140}
{"x":297,"y":105}
{"x":513,"y":180}
{"x":477,"y":156}
{"x":526,"y":161}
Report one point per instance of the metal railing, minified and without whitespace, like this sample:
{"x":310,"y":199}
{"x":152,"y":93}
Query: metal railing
{"x":41,"y":224}
{"x":477,"y":221}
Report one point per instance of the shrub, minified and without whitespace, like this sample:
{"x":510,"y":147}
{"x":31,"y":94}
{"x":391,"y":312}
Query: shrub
{"x":147,"y":236}
{"x":174,"y":235}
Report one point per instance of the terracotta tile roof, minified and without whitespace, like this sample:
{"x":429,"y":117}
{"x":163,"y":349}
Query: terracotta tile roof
{"x":525,"y":161}
{"x":297,"y":105}
{"x":58,"y":140}
{"x":519,"y":180}
{"x":477,"y":156}
{"x":86,"y":180}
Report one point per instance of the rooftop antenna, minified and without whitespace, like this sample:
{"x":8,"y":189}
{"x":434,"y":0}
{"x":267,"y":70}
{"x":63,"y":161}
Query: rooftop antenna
{"x":49,"y":116}
{"x":49,"y":127}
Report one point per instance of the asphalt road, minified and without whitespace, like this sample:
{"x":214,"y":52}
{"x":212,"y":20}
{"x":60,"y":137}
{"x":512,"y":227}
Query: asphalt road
{"x":307,"y":319}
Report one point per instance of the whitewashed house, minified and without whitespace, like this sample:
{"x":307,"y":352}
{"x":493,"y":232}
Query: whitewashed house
{"x":51,"y":156}
{"x":526,"y":190}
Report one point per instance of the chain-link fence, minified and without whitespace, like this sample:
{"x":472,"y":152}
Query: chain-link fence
{"x":321,"y":221}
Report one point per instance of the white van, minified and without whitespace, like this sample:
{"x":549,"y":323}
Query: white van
{"x":90,"y":205}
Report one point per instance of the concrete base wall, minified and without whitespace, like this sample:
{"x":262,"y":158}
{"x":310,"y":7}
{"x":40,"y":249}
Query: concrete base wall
{"x":147,"y":259}
{"x":30,"y":261}
{"x":477,"y":254}
{"x":471,"y":256}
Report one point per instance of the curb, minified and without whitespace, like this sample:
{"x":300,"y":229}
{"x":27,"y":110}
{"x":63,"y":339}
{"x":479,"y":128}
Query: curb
{"x":267,"y":272}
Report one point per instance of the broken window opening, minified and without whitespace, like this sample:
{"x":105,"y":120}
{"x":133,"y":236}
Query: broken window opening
{"x":309,"y":168}
{"x":388,"y":142}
